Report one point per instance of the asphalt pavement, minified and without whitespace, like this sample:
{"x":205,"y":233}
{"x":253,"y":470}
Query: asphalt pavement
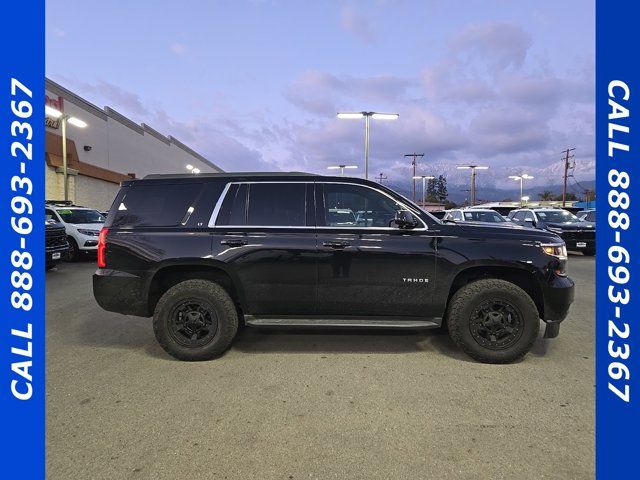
{"x":309,"y":405}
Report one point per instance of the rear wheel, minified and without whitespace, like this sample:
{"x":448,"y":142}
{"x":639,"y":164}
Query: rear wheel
{"x":195,"y":320}
{"x":493,"y":321}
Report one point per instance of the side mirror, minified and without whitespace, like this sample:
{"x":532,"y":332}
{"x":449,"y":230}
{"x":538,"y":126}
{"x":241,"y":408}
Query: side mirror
{"x":404,"y":219}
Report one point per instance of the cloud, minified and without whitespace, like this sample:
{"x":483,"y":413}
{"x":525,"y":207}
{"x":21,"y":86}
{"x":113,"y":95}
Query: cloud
{"x":499,"y":45}
{"x":179,"y":49}
{"x":322,"y":93}
{"x":357,"y":24}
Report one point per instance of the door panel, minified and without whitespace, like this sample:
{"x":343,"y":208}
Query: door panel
{"x":385,"y":273}
{"x":365,"y":265}
{"x":276,"y":270}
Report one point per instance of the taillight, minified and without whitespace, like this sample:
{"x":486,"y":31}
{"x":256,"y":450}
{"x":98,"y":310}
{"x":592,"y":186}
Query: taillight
{"x":102,"y":248}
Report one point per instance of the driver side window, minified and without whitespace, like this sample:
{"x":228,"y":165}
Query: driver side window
{"x":352,"y":206}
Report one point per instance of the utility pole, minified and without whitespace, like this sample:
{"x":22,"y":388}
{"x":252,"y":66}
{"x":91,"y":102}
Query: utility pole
{"x":381,"y":177}
{"x":566,"y":159}
{"x":414,"y":162}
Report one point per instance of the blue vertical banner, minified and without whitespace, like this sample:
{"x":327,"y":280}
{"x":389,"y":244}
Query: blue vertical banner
{"x":22,"y":299}
{"x":618,"y":255}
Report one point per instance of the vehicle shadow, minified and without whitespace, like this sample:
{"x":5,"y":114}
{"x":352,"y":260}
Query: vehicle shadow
{"x":265,"y":341}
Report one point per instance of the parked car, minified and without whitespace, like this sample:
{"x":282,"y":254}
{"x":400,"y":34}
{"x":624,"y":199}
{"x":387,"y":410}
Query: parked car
{"x":55,"y":244}
{"x":203,"y":253}
{"x":579,"y":235}
{"x":478,"y":216}
{"x":587,"y":215}
{"x":81,"y":224}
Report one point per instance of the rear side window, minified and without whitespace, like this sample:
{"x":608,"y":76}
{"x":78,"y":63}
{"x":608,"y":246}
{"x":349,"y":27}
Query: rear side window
{"x":277,"y":204}
{"x":154,"y":205}
{"x":264,"y":205}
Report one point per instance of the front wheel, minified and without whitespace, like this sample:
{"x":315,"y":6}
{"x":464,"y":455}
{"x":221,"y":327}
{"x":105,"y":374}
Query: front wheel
{"x":195,"y":320}
{"x":493,"y":321}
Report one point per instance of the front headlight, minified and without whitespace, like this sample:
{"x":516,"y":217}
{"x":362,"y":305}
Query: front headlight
{"x":558,"y":250}
{"x":89,"y":233}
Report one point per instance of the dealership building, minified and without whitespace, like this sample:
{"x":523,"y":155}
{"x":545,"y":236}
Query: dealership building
{"x":109,"y":149}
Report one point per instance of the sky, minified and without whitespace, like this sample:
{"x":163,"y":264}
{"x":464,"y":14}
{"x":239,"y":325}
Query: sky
{"x":256,"y":85}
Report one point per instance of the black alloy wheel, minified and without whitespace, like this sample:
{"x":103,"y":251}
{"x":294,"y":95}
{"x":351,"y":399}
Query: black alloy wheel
{"x":496,"y":324}
{"x":193,"y":323}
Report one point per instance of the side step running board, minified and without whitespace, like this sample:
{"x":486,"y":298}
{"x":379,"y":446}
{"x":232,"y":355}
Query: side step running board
{"x":358,"y":322}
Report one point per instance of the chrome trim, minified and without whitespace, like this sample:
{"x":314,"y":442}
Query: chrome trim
{"x":216,"y":210}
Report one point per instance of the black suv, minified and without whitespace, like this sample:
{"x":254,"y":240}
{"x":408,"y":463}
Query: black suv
{"x":56,"y":247}
{"x":202,"y":253}
{"x":579,"y":235}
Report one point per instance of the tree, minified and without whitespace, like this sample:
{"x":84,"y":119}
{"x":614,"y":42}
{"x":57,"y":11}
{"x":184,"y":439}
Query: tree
{"x":441,"y":188}
{"x":431,"y":190}
{"x":546,"y":195}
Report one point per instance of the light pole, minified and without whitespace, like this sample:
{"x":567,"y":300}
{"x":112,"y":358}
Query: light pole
{"x":473,"y":169}
{"x":424,"y":186}
{"x":367,"y":118}
{"x":342,"y":168}
{"x":522,"y":177}
{"x":52,"y":112}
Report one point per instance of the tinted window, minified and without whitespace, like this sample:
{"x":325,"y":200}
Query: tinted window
{"x":277,"y":204}
{"x":355,"y":206}
{"x":591,"y":217}
{"x":154,"y":205}
{"x":234,"y":207}
{"x":480,"y":216}
{"x":50,"y":215}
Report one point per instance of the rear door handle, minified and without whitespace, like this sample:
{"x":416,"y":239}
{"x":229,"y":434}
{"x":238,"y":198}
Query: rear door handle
{"x":336,"y":245}
{"x":233,"y":242}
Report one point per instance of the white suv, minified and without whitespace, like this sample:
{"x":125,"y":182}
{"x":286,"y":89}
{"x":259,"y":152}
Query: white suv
{"x":82,"y":226}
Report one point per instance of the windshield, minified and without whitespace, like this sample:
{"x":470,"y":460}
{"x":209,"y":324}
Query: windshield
{"x":557,"y":216}
{"x":72,"y":215}
{"x":491,"y":217}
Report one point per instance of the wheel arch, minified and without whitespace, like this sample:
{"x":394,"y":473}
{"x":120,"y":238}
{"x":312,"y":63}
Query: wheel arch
{"x":520,"y":277}
{"x":167,"y":276}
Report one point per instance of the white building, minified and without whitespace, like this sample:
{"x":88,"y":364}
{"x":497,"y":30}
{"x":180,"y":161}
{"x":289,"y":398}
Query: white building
{"x":110,"y":149}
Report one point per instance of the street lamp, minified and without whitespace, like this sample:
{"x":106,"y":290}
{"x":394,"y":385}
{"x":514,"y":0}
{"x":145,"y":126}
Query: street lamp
{"x":424,"y":186}
{"x":522,"y":177}
{"x":76,"y":122}
{"x":341,"y":167}
{"x":367,"y":117}
{"x":473,"y":169}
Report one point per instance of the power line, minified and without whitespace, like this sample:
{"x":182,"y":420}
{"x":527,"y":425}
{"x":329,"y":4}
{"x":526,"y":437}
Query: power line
{"x":415,"y":164}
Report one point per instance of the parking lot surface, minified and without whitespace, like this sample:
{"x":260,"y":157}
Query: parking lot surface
{"x":311,"y":405}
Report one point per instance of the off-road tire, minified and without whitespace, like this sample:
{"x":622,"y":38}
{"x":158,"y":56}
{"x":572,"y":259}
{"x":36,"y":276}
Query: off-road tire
{"x":198,"y":290}
{"x":466,"y":300}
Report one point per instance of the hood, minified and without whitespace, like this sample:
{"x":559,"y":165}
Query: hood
{"x":89,"y":226}
{"x":489,"y":230}
{"x":570,"y":226}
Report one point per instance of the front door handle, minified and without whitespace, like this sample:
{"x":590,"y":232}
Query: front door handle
{"x":233,"y":242}
{"x":336,"y":245}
